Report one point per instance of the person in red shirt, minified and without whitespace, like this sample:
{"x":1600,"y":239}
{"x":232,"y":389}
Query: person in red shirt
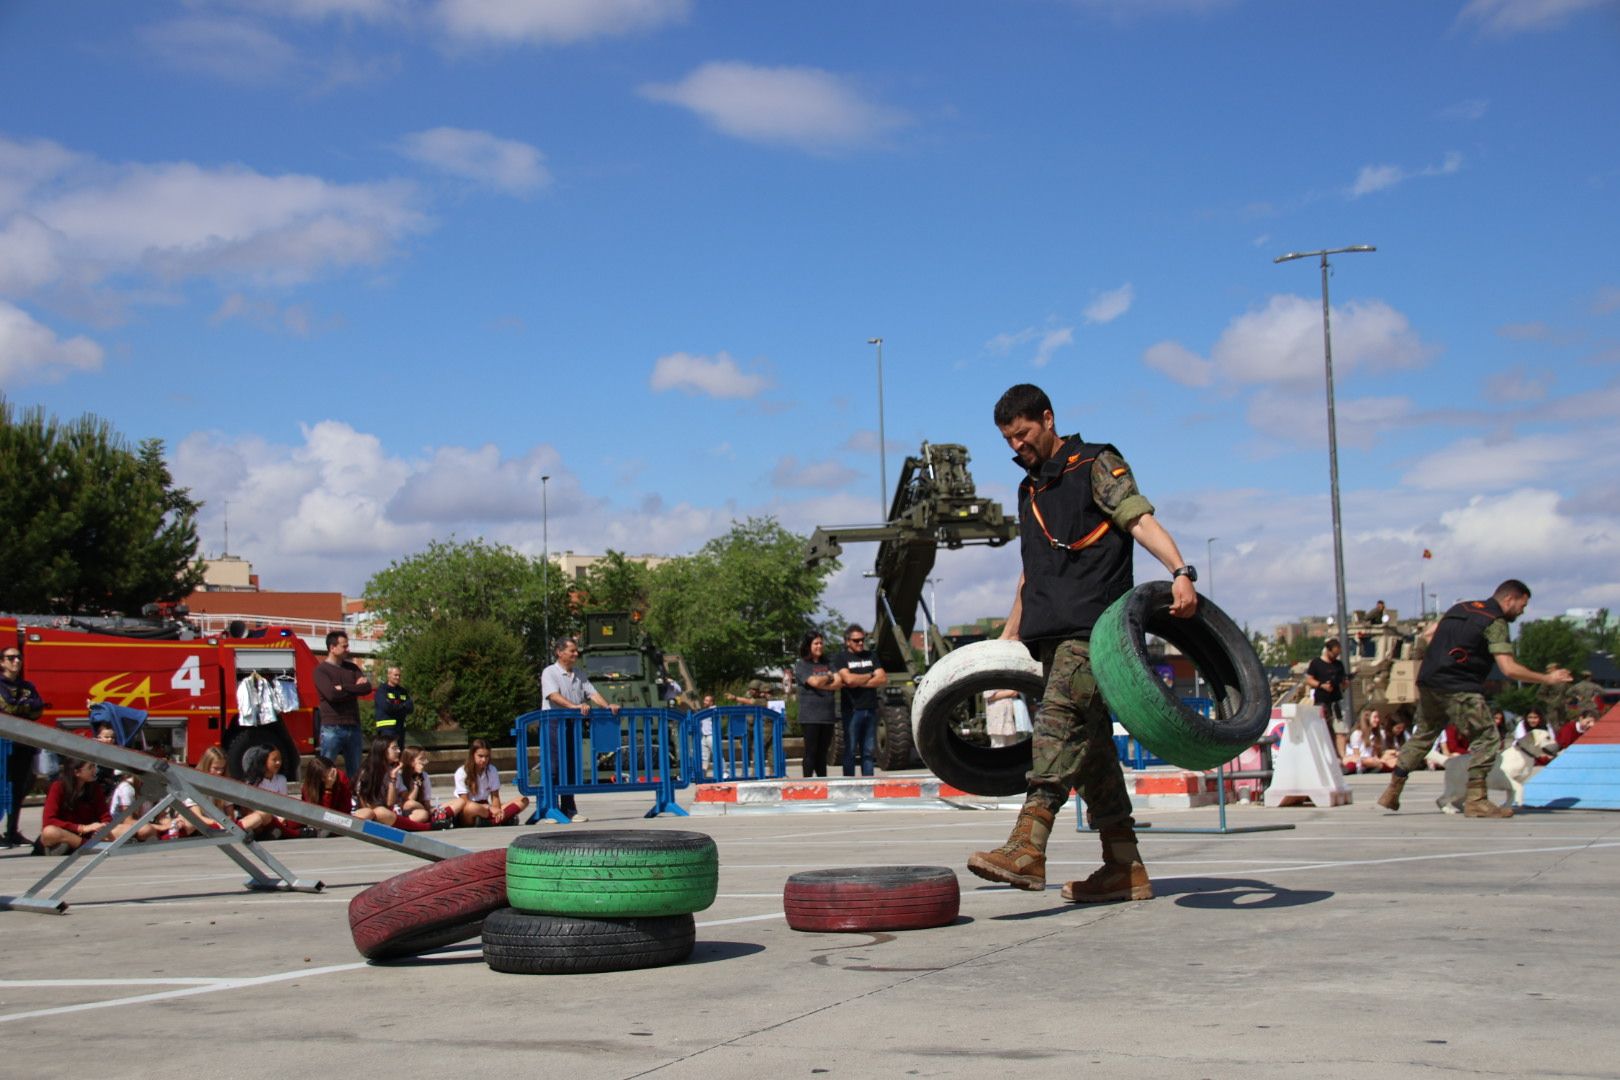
{"x":1574,"y":729}
{"x":75,"y":809}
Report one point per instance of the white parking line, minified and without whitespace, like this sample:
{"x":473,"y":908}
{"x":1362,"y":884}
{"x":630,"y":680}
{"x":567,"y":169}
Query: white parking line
{"x":209,"y":987}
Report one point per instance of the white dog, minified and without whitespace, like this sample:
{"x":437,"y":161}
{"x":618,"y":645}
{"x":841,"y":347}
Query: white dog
{"x":1508,"y":775}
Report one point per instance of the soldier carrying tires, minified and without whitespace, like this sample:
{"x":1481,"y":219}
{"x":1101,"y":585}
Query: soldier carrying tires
{"x":1079,"y":513}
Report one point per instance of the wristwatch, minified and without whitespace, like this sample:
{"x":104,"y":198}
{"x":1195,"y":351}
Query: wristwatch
{"x":1190,"y":572}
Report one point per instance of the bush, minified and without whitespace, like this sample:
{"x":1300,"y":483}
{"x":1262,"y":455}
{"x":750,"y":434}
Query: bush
{"x":470,"y":672}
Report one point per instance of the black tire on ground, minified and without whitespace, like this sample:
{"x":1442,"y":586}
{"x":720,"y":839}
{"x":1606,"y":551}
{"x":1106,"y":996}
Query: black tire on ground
{"x":430,"y":906}
{"x":895,"y":749}
{"x":521,"y":943}
{"x":866,"y":899}
{"x":953,"y":685}
{"x":621,"y":873}
{"x":1149,"y":710}
{"x":271,"y":735}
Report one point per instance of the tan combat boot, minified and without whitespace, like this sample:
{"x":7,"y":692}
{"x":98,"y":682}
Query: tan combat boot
{"x":1478,"y":804}
{"x":1121,"y":876}
{"x":1021,"y":861}
{"x":1391,"y":798}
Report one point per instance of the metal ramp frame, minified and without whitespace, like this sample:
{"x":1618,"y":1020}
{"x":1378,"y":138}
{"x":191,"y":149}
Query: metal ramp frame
{"x":171,"y":785}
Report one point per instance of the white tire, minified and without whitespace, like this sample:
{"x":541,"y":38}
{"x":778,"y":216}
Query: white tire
{"x":958,"y":677}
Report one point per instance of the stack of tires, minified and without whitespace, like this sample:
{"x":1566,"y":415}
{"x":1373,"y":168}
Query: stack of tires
{"x":604,"y":900}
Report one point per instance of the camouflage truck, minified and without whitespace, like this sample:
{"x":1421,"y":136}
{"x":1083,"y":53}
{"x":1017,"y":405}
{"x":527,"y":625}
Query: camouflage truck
{"x":627,"y":667}
{"x":1383,"y":664}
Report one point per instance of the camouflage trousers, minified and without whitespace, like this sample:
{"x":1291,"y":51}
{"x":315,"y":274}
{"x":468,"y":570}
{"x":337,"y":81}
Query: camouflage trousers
{"x":1073,"y":743}
{"x":1474,"y":722}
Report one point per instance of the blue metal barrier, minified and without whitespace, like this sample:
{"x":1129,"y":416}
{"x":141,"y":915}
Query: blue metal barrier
{"x":5,"y":776}
{"x":560,"y":752}
{"x":744,"y":743}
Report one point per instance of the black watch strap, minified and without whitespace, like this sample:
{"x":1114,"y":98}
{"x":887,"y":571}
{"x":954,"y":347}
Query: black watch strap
{"x":1189,"y":572}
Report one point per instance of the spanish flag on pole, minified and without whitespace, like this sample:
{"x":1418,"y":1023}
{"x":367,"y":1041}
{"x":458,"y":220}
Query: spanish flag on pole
{"x":1427,"y":554}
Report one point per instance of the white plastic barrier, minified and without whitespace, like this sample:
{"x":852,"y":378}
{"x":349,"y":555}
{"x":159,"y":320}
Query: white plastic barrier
{"x":1306,"y":764}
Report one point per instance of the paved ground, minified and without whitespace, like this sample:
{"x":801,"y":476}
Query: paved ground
{"x":1360,"y":944}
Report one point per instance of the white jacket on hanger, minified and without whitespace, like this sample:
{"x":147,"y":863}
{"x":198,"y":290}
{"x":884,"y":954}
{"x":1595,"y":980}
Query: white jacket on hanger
{"x":257,"y":701}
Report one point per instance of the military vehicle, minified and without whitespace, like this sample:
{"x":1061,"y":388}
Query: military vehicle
{"x":1384,"y":658}
{"x":935,"y":506}
{"x":627,"y":668}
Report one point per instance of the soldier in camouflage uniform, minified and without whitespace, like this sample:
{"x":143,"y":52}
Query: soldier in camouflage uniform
{"x":1464,"y":645}
{"x":1080,"y":512}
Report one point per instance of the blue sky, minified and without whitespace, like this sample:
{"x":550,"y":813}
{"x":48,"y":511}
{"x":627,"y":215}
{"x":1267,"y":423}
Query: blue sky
{"x":371,"y":267}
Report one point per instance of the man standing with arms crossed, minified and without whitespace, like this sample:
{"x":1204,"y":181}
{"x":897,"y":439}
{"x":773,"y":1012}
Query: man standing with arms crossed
{"x":859,"y":676}
{"x":1464,"y":645}
{"x":341,"y":684}
{"x":1079,"y":513}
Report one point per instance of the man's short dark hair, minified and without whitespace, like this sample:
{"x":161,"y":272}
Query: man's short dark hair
{"x":335,"y":636}
{"x":853,"y":628}
{"x":1025,"y":401}
{"x":562,"y":643}
{"x":1511,"y":589}
{"x":1332,"y":643}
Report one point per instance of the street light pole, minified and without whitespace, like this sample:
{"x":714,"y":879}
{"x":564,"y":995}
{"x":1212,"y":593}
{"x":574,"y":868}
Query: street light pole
{"x":883,"y":457}
{"x":1209,"y":563}
{"x":1333,"y":456}
{"x":545,"y":555}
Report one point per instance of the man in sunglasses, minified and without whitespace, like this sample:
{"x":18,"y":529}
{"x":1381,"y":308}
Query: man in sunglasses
{"x":17,"y":698}
{"x":859,"y":677}
{"x":1080,"y":517}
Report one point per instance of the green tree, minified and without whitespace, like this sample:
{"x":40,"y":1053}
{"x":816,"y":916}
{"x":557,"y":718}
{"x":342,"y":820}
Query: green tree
{"x":739,"y":603}
{"x":458,"y":581}
{"x":1553,"y":641}
{"x":616,"y":583}
{"x":469,"y":672}
{"x":1305,"y":649}
{"x":87,"y":524}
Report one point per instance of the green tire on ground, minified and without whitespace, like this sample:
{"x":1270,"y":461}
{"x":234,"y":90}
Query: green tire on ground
{"x":1149,"y":710}
{"x":618,"y":873}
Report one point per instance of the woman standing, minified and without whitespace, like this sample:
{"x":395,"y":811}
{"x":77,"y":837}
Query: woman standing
{"x":817,"y":681}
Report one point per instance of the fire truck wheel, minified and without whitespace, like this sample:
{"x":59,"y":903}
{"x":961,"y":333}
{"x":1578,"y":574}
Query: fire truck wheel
{"x":1151,"y":711}
{"x":872,"y":899}
{"x":623,"y":873}
{"x":271,"y":735}
{"x":430,"y":906}
{"x":950,"y":692}
{"x":522,"y":943}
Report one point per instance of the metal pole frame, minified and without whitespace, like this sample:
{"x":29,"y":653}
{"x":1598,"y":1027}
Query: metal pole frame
{"x":883,"y":456}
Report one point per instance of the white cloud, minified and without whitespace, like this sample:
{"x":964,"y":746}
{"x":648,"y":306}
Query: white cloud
{"x":231,"y":49}
{"x":1180,"y":363}
{"x":803,"y":107}
{"x":717,"y":377}
{"x":1373,"y":178}
{"x":827,"y":475}
{"x":1469,"y":109}
{"x":1107,"y":306}
{"x":1049,"y":341}
{"x":1480,"y":464}
{"x":294,"y":319}
{"x":30,"y":351}
{"x":503,"y":164}
{"x":1507,"y":17}
{"x":1517,"y":385}
{"x":555,"y":22}
{"x":76,"y":221}
{"x":1282,"y":343}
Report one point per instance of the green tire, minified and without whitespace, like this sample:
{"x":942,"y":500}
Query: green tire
{"x":1158,"y":719}
{"x":617,"y":873}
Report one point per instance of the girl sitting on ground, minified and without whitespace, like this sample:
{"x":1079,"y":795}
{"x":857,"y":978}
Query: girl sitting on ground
{"x":478,"y":791}
{"x":378,"y":787}
{"x":127,"y":796}
{"x":261,"y":768}
{"x":215,"y":811}
{"x":322,"y":783}
{"x":75,"y":809}
{"x":1366,"y":751}
{"x":413,"y":791}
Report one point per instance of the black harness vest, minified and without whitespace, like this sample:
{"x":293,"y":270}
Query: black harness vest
{"x":1076,"y":562}
{"x":1458,"y":659}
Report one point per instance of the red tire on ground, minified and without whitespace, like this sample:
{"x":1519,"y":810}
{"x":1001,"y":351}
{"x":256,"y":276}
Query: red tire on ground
{"x":872,"y":898}
{"x":433,"y":905}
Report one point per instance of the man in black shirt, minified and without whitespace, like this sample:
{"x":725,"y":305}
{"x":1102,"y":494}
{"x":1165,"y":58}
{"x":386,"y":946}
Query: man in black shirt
{"x":1325,"y":676}
{"x":18,"y":698}
{"x":859,"y":676}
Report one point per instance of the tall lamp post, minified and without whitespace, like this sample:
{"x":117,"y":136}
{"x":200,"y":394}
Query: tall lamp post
{"x":1333,"y":455}
{"x":883,"y":457}
{"x":545,"y":555}
{"x":1209,"y":563}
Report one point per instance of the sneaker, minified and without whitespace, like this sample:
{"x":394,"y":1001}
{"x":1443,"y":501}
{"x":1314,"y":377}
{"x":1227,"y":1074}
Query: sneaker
{"x":59,"y":849}
{"x":579,"y":819}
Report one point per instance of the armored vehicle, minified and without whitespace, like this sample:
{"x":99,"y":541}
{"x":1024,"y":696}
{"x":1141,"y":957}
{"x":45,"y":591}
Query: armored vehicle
{"x":935,"y":506}
{"x":627,"y":668}
{"x":1384,"y":658}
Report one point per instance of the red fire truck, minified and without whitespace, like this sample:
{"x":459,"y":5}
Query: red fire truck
{"x":185,"y":681}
